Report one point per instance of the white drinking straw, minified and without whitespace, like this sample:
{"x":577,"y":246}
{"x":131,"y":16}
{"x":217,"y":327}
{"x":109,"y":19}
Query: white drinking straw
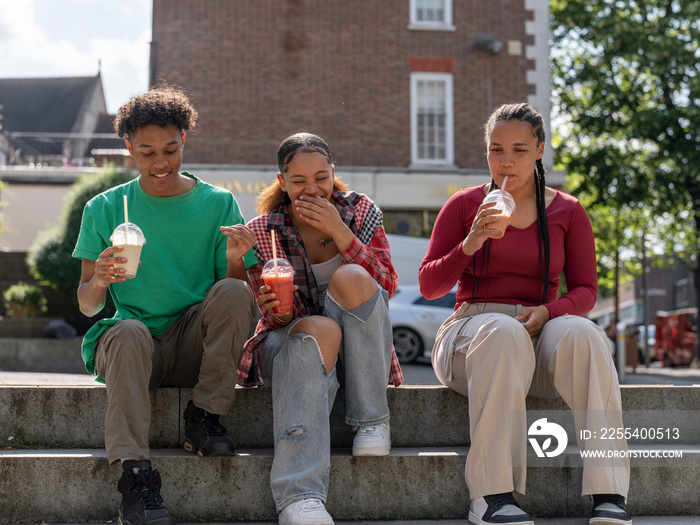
{"x":126,"y":222}
{"x":274,"y":251}
{"x":505,"y":181}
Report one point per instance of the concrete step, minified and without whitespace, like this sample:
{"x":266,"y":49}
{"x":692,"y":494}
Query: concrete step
{"x":412,"y":483}
{"x":57,"y":432}
{"x":73,"y":416}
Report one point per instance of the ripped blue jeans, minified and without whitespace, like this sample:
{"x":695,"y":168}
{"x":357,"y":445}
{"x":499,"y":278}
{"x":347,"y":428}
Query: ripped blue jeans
{"x":303,"y":393}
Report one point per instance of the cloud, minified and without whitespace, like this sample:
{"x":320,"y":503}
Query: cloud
{"x":68,"y":39}
{"x":122,"y":58}
{"x":18,"y":29}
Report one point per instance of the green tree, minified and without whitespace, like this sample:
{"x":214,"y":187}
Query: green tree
{"x":626,"y":83}
{"x":50,"y":256}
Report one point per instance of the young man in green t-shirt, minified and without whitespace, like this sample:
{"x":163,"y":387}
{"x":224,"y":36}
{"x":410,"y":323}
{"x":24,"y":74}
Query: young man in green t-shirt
{"x":183,"y":319}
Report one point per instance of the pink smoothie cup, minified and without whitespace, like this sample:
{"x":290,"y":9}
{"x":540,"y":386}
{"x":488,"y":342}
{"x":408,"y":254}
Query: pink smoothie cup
{"x":281,"y":283}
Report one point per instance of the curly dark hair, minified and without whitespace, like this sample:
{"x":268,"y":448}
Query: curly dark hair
{"x":162,"y":105}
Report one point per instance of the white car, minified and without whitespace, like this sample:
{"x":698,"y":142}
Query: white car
{"x":415,"y":321}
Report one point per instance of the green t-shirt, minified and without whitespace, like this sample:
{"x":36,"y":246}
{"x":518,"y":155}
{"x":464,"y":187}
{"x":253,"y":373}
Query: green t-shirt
{"x":184,"y":254}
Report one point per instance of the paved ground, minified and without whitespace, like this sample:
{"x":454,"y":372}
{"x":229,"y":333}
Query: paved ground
{"x":36,"y":378}
{"x":421,"y":373}
{"x":415,"y":374}
{"x":637,"y":520}
{"x":663,"y":376}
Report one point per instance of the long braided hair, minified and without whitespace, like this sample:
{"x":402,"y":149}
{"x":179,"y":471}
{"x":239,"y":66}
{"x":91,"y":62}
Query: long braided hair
{"x":526,"y":113}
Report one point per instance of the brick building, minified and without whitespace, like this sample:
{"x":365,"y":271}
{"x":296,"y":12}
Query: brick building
{"x":399,"y":89}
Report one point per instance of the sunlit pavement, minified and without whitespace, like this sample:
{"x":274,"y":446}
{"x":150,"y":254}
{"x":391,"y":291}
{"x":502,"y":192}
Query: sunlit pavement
{"x":636,"y":520}
{"x":420,"y":373}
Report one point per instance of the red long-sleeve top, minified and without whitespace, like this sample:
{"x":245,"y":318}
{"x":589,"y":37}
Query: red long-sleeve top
{"x":510,"y":273}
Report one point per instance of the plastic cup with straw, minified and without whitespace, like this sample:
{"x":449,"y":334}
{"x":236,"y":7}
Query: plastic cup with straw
{"x":503,"y":201}
{"x":131,"y":239}
{"x":278,"y":274}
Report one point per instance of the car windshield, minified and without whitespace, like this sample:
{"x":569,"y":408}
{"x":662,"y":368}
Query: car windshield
{"x":446,"y":301}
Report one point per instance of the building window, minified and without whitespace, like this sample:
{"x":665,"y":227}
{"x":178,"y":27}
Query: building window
{"x":432,"y":140}
{"x":682,"y":287}
{"x":431,"y":15}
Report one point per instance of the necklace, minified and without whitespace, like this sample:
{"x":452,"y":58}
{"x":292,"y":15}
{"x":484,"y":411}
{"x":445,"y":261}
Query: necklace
{"x":323,"y":241}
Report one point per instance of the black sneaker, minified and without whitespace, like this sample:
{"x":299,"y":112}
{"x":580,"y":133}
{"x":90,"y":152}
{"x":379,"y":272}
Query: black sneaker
{"x":609,"y":509}
{"x":141,"y":503}
{"x":498,"y":508}
{"x":204,"y":435}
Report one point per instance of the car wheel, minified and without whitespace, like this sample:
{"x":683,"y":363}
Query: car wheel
{"x":407,"y":344}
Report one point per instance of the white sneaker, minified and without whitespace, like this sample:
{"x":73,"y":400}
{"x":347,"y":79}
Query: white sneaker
{"x":374,"y":440}
{"x":498,"y":508}
{"x":305,"y":512}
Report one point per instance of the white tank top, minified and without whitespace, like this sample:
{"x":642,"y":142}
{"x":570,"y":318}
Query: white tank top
{"x":324,"y":271}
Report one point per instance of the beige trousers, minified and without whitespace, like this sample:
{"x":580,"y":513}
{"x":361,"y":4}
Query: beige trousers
{"x":485,"y":354}
{"x":202,"y":349}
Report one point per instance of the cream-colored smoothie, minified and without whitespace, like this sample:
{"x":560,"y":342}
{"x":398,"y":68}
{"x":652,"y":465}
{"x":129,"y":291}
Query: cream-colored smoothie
{"x":131,"y":238}
{"x":132,"y":252}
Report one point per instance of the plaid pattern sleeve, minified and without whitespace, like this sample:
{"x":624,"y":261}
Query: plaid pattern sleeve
{"x":370,"y":248}
{"x":248,"y":373}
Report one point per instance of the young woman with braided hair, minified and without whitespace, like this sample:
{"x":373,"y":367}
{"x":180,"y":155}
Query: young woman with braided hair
{"x":512,"y":335}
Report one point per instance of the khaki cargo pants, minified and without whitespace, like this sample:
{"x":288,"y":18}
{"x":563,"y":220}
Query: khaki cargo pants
{"x":202,"y":350}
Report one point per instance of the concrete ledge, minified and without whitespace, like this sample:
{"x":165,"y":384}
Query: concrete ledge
{"x":73,"y":416}
{"x":31,"y":327}
{"x":41,"y":355}
{"x":424,"y":483}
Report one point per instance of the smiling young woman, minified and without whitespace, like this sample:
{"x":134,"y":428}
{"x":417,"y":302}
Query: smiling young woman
{"x":339,"y":331}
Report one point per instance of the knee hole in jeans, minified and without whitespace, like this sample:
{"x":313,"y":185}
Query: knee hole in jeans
{"x":295,"y":432}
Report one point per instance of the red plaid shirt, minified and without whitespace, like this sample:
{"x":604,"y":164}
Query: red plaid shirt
{"x":370,"y":249}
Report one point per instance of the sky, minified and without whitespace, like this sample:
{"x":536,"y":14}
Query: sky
{"x":65,"y":38}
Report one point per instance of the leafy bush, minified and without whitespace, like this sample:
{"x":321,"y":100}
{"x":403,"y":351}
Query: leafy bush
{"x":50,"y":256}
{"x":24,"y":300}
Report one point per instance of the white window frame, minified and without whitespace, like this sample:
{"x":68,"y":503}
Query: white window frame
{"x":422,"y":25}
{"x":447,"y":79}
